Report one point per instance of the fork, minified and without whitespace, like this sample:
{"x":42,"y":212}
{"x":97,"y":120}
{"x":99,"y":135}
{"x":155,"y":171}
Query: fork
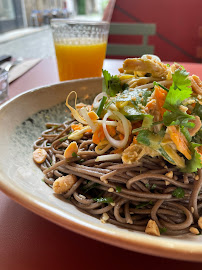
{"x":13,"y":63}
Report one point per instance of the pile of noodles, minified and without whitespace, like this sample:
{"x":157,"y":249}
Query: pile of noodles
{"x":135,"y":192}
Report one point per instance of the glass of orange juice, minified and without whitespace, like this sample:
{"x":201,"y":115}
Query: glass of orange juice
{"x":80,"y":47}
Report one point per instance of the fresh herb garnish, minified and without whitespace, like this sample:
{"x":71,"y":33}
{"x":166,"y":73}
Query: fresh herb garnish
{"x":101,"y":106}
{"x":163,"y":230}
{"x":198,"y":110}
{"x":112,"y":84}
{"x":118,"y":189}
{"x":178,"y":192}
{"x":63,"y":139}
{"x":74,"y":154}
{"x":195,"y":163}
{"x":142,"y":205}
{"x":162,"y":86}
{"x":186,"y":133}
{"x":87,"y":188}
{"x":153,"y":186}
{"x":198,"y":137}
{"x":178,"y":92}
{"x":104,"y":200}
{"x":81,"y":161}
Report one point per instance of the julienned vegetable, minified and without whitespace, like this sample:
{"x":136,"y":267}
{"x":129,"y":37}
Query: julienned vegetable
{"x":133,"y":111}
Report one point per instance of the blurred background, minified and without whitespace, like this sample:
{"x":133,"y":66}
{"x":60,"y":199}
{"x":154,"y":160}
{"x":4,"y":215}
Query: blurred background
{"x":177,"y":35}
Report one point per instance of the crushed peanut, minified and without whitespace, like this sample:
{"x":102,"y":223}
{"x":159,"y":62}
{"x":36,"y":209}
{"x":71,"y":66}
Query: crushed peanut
{"x":112,"y":203}
{"x":183,"y":108}
{"x":110,"y":190}
{"x":39,"y":155}
{"x":72,"y":148}
{"x":200,"y":222}
{"x":196,"y":177}
{"x":82,"y":196}
{"x":194,"y":230}
{"x":105,"y":216}
{"x":152,"y":228}
{"x":169,"y":174}
{"x":64,"y":183}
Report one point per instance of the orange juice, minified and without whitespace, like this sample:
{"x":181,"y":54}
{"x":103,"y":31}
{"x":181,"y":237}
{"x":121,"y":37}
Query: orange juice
{"x":80,"y":60}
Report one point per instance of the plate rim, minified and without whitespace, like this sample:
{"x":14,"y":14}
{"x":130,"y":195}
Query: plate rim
{"x":185,"y":250}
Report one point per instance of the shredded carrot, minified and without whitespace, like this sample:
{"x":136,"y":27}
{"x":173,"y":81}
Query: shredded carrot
{"x":77,"y":126}
{"x":135,"y":140}
{"x":98,"y":135}
{"x":160,"y":95}
{"x":179,"y":140}
{"x":151,"y":104}
{"x":111,"y":130}
{"x":93,"y":116}
{"x":117,"y":151}
{"x":121,"y":136}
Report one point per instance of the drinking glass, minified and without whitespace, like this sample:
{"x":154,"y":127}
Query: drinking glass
{"x":3,"y":85}
{"x":80,"y":47}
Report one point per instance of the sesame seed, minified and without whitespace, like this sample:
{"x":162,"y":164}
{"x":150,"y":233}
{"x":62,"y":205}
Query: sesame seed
{"x":192,"y":209}
{"x":112,"y":204}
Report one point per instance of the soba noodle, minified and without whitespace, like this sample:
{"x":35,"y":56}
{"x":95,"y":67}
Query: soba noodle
{"x":136,"y":192}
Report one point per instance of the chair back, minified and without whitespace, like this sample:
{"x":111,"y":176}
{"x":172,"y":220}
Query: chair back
{"x":142,"y":29}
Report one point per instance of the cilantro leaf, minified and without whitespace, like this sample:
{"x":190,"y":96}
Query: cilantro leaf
{"x":104,"y":200}
{"x":142,"y":205}
{"x":198,"y":137}
{"x":195,"y":163}
{"x":178,"y":192}
{"x":178,"y":92}
{"x":112,"y":84}
{"x":177,"y":117}
{"x":143,"y":137}
{"x":180,"y":79}
{"x":198,"y":110}
{"x":185,"y":132}
{"x":163,"y":230}
{"x":118,"y":189}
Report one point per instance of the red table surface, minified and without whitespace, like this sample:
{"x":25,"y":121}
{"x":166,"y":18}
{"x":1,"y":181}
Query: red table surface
{"x":28,"y":241}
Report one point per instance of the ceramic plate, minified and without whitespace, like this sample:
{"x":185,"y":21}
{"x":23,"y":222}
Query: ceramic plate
{"x":22,"y":119}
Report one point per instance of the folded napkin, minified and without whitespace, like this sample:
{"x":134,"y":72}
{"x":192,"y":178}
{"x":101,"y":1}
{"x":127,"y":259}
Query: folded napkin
{"x":18,"y":70}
